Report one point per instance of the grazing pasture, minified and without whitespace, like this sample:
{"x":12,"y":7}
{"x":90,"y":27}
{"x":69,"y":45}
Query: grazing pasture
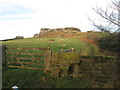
{"x":93,"y":66}
{"x":55,"y":45}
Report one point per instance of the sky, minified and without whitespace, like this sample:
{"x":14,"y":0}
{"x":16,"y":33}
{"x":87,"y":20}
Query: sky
{"x":27,"y":17}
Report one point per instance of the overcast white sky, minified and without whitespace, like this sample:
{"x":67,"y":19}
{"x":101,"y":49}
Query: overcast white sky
{"x":27,"y":17}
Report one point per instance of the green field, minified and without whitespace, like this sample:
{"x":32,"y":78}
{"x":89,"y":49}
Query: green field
{"x":84,"y":47}
{"x":76,"y":43}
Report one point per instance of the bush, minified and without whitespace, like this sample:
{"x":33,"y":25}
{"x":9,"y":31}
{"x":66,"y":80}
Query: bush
{"x":109,"y":43}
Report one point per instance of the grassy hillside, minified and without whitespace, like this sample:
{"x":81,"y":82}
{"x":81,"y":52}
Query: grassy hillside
{"x":44,"y":43}
{"x":84,"y":42}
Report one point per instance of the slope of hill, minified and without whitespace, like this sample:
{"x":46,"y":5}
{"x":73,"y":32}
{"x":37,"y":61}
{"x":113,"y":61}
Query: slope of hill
{"x":95,"y":72}
{"x":81,"y":41}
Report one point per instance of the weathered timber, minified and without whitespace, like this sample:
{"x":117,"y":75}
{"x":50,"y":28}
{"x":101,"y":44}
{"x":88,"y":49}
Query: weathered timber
{"x":24,"y":48}
{"x":23,"y":58}
{"x":27,"y":63}
{"x":32,"y":58}
{"x":3,"y":57}
{"x":48,"y":55}
{"x":23,"y":53}
{"x":25,"y":67}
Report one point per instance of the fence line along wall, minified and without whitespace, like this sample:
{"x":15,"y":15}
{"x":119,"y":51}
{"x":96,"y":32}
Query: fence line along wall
{"x":28,"y":58}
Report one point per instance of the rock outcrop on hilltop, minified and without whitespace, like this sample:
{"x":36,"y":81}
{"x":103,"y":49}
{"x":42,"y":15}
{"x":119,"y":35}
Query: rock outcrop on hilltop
{"x":19,"y":37}
{"x":66,"y":30}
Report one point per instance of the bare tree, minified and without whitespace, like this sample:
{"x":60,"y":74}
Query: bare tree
{"x":110,"y":16}
{"x":111,"y":24}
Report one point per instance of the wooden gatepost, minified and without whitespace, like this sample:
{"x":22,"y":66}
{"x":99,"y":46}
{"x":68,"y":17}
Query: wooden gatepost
{"x":3,"y":55}
{"x":47,"y":56}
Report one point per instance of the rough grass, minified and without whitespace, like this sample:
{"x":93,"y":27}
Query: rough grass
{"x":56,"y":45}
{"x":25,"y":77}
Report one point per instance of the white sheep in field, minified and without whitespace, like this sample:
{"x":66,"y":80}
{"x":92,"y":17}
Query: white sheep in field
{"x":67,"y":50}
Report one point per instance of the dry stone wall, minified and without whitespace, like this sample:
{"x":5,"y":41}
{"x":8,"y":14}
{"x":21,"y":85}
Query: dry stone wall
{"x":99,"y":71}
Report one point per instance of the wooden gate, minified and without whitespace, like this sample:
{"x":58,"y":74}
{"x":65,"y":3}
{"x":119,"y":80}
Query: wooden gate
{"x":28,"y":58}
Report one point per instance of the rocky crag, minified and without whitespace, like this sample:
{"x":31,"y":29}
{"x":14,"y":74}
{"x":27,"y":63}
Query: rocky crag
{"x":65,"y":30}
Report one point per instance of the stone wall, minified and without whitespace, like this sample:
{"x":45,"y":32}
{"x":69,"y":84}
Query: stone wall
{"x":99,"y":71}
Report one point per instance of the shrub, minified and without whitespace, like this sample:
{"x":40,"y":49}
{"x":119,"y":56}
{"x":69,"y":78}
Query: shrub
{"x":109,"y":43}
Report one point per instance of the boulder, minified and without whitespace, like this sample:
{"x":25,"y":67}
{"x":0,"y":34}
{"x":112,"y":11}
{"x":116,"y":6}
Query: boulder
{"x":36,"y":35}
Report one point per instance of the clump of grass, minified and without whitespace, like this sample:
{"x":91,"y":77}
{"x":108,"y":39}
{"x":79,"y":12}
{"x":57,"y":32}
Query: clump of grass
{"x":68,"y":82}
{"x":24,"y":78}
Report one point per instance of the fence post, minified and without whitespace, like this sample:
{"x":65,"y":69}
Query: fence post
{"x":3,"y":54}
{"x":48,"y":55}
{"x":1,"y":60}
